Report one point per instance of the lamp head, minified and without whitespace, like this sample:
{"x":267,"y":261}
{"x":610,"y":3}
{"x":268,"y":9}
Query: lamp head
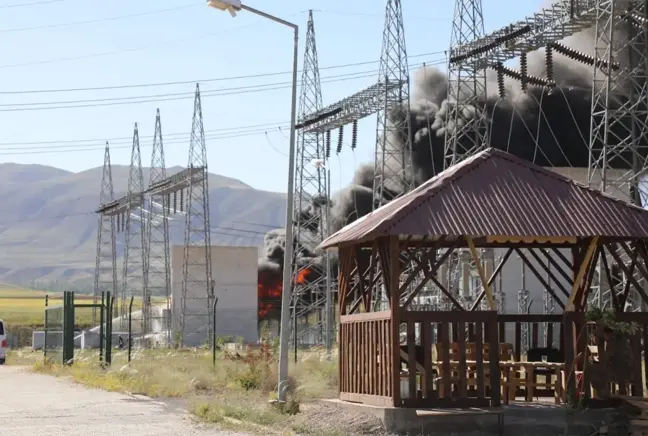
{"x":231,"y":6}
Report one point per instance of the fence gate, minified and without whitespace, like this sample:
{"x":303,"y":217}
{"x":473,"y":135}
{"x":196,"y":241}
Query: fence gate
{"x":59,"y":330}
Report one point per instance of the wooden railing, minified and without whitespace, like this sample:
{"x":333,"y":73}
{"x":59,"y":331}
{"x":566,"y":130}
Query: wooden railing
{"x":367,"y":360}
{"x":446,"y":382}
{"x":451,"y":359}
{"x":579,"y":338}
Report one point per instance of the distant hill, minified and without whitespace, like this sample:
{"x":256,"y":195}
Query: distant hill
{"x":48,"y":228}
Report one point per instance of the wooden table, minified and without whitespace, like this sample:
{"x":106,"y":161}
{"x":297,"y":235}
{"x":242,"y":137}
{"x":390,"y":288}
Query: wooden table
{"x":529,"y":382}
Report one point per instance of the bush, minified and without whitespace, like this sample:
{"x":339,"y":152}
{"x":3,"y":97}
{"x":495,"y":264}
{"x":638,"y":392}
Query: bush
{"x":608,"y":319}
{"x":258,"y":367}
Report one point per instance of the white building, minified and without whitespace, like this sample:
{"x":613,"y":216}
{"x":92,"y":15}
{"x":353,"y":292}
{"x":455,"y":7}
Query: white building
{"x":235,"y":276}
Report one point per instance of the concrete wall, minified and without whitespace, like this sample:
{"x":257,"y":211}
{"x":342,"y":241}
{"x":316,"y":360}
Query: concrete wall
{"x":235,"y":276}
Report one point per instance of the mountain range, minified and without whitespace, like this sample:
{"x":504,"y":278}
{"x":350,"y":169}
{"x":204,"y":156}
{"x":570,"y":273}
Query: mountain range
{"x":48,"y":227}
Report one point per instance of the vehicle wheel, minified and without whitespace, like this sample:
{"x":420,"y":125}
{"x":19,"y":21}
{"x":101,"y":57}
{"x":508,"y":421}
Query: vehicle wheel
{"x":2,"y":361}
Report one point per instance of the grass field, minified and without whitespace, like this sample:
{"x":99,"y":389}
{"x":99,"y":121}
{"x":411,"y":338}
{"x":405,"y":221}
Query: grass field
{"x":21,"y":307}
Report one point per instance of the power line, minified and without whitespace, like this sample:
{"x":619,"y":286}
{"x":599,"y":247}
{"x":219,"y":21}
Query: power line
{"x":97,"y":20}
{"x":131,"y":49}
{"x":90,"y":147}
{"x":52,"y":150}
{"x":235,"y":132}
{"x":129,"y":139}
{"x":192,"y":82}
{"x":150,"y":97}
{"x":20,"y":107}
{"x":78,"y":145}
{"x":362,"y":14}
{"x":214,"y":229}
{"x":37,"y":3}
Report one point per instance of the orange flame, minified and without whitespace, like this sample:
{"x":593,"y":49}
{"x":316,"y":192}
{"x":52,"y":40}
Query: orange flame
{"x":300,"y":278}
{"x":270,"y":290}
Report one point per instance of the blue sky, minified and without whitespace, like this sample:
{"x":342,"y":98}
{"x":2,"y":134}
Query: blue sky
{"x":183,"y":40}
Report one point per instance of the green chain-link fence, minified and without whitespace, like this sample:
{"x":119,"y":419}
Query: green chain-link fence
{"x":54,"y":327}
{"x":59,"y":329}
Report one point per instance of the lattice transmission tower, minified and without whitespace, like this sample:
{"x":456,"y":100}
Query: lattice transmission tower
{"x":134,"y":262}
{"x":467,"y":123}
{"x":617,"y":143}
{"x":157,"y":238}
{"x":311,"y":291}
{"x":619,"y":129}
{"x":197,"y":297}
{"x":105,"y":278}
{"x":389,"y":98}
{"x":524,"y":302}
{"x":393,"y":161}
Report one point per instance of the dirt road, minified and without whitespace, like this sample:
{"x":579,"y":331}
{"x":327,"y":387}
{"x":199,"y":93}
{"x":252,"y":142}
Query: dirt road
{"x":38,"y":405}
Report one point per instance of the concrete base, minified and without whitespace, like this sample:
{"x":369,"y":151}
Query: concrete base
{"x":84,"y":340}
{"x":540,"y":418}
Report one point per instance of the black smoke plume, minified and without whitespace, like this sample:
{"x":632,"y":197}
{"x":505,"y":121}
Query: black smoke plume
{"x":547,"y":127}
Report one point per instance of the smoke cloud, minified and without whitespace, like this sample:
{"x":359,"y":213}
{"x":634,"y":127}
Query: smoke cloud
{"x":549,"y":128}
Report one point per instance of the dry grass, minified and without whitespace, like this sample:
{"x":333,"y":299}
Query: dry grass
{"x":232,"y":391}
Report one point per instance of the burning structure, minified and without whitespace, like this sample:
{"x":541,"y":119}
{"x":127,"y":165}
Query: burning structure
{"x":546,"y":119}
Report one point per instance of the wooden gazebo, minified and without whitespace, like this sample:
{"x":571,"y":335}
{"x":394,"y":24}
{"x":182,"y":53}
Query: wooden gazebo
{"x":493,"y":200}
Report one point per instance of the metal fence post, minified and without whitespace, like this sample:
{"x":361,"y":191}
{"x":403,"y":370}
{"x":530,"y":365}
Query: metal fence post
{"x":68,"y":327}
{"x":101,"y":327}
{"x":109,"y":309}
{"x":214,"y":332}
{"x":295,"y":330}
{"x":130,"y":327}
{"x":45,"y":330}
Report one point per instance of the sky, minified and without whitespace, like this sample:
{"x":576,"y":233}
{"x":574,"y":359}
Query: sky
{"x":63,"y":45}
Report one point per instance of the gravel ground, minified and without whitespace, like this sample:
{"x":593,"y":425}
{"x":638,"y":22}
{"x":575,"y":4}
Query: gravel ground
{"x":327,"y":416}
{"x":35,"y":405}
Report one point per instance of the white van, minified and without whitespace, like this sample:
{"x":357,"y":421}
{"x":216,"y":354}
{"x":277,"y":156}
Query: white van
{"x":3,"y":343}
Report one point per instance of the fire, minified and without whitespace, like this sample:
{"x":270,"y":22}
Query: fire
{"x":270,"y":290}
{"x":301,"y":276}
{"x":265,"y":309}
{"x":269,"y":293}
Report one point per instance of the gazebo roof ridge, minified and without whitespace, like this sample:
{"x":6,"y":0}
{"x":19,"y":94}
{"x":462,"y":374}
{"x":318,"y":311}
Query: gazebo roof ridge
{"x":521,"y":200}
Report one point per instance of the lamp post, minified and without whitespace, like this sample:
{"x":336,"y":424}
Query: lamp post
{"x":233,"y":6}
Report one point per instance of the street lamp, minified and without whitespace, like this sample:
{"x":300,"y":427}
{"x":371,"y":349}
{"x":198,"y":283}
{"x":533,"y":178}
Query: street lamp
{"x":233,"y":6}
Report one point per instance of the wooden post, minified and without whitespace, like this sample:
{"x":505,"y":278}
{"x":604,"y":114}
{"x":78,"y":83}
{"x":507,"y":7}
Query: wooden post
{"x":393,"y":285}
{"x":580,"y":269}
{"x":570,"y":354}
{"x":482,"y":275}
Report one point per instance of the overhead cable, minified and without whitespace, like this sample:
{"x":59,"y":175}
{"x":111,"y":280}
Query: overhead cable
{"x":192,"y":82}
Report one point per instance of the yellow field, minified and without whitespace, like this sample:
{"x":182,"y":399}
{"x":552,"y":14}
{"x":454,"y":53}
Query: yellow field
{"x":25,"y":307}
{"x":22,"y":307}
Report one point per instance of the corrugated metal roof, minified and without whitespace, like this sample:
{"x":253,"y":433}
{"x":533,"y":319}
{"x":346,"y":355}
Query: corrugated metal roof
{"x":497,"y":194}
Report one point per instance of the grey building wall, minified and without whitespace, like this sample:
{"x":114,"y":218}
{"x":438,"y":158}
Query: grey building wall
{"x":235,"y":276}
